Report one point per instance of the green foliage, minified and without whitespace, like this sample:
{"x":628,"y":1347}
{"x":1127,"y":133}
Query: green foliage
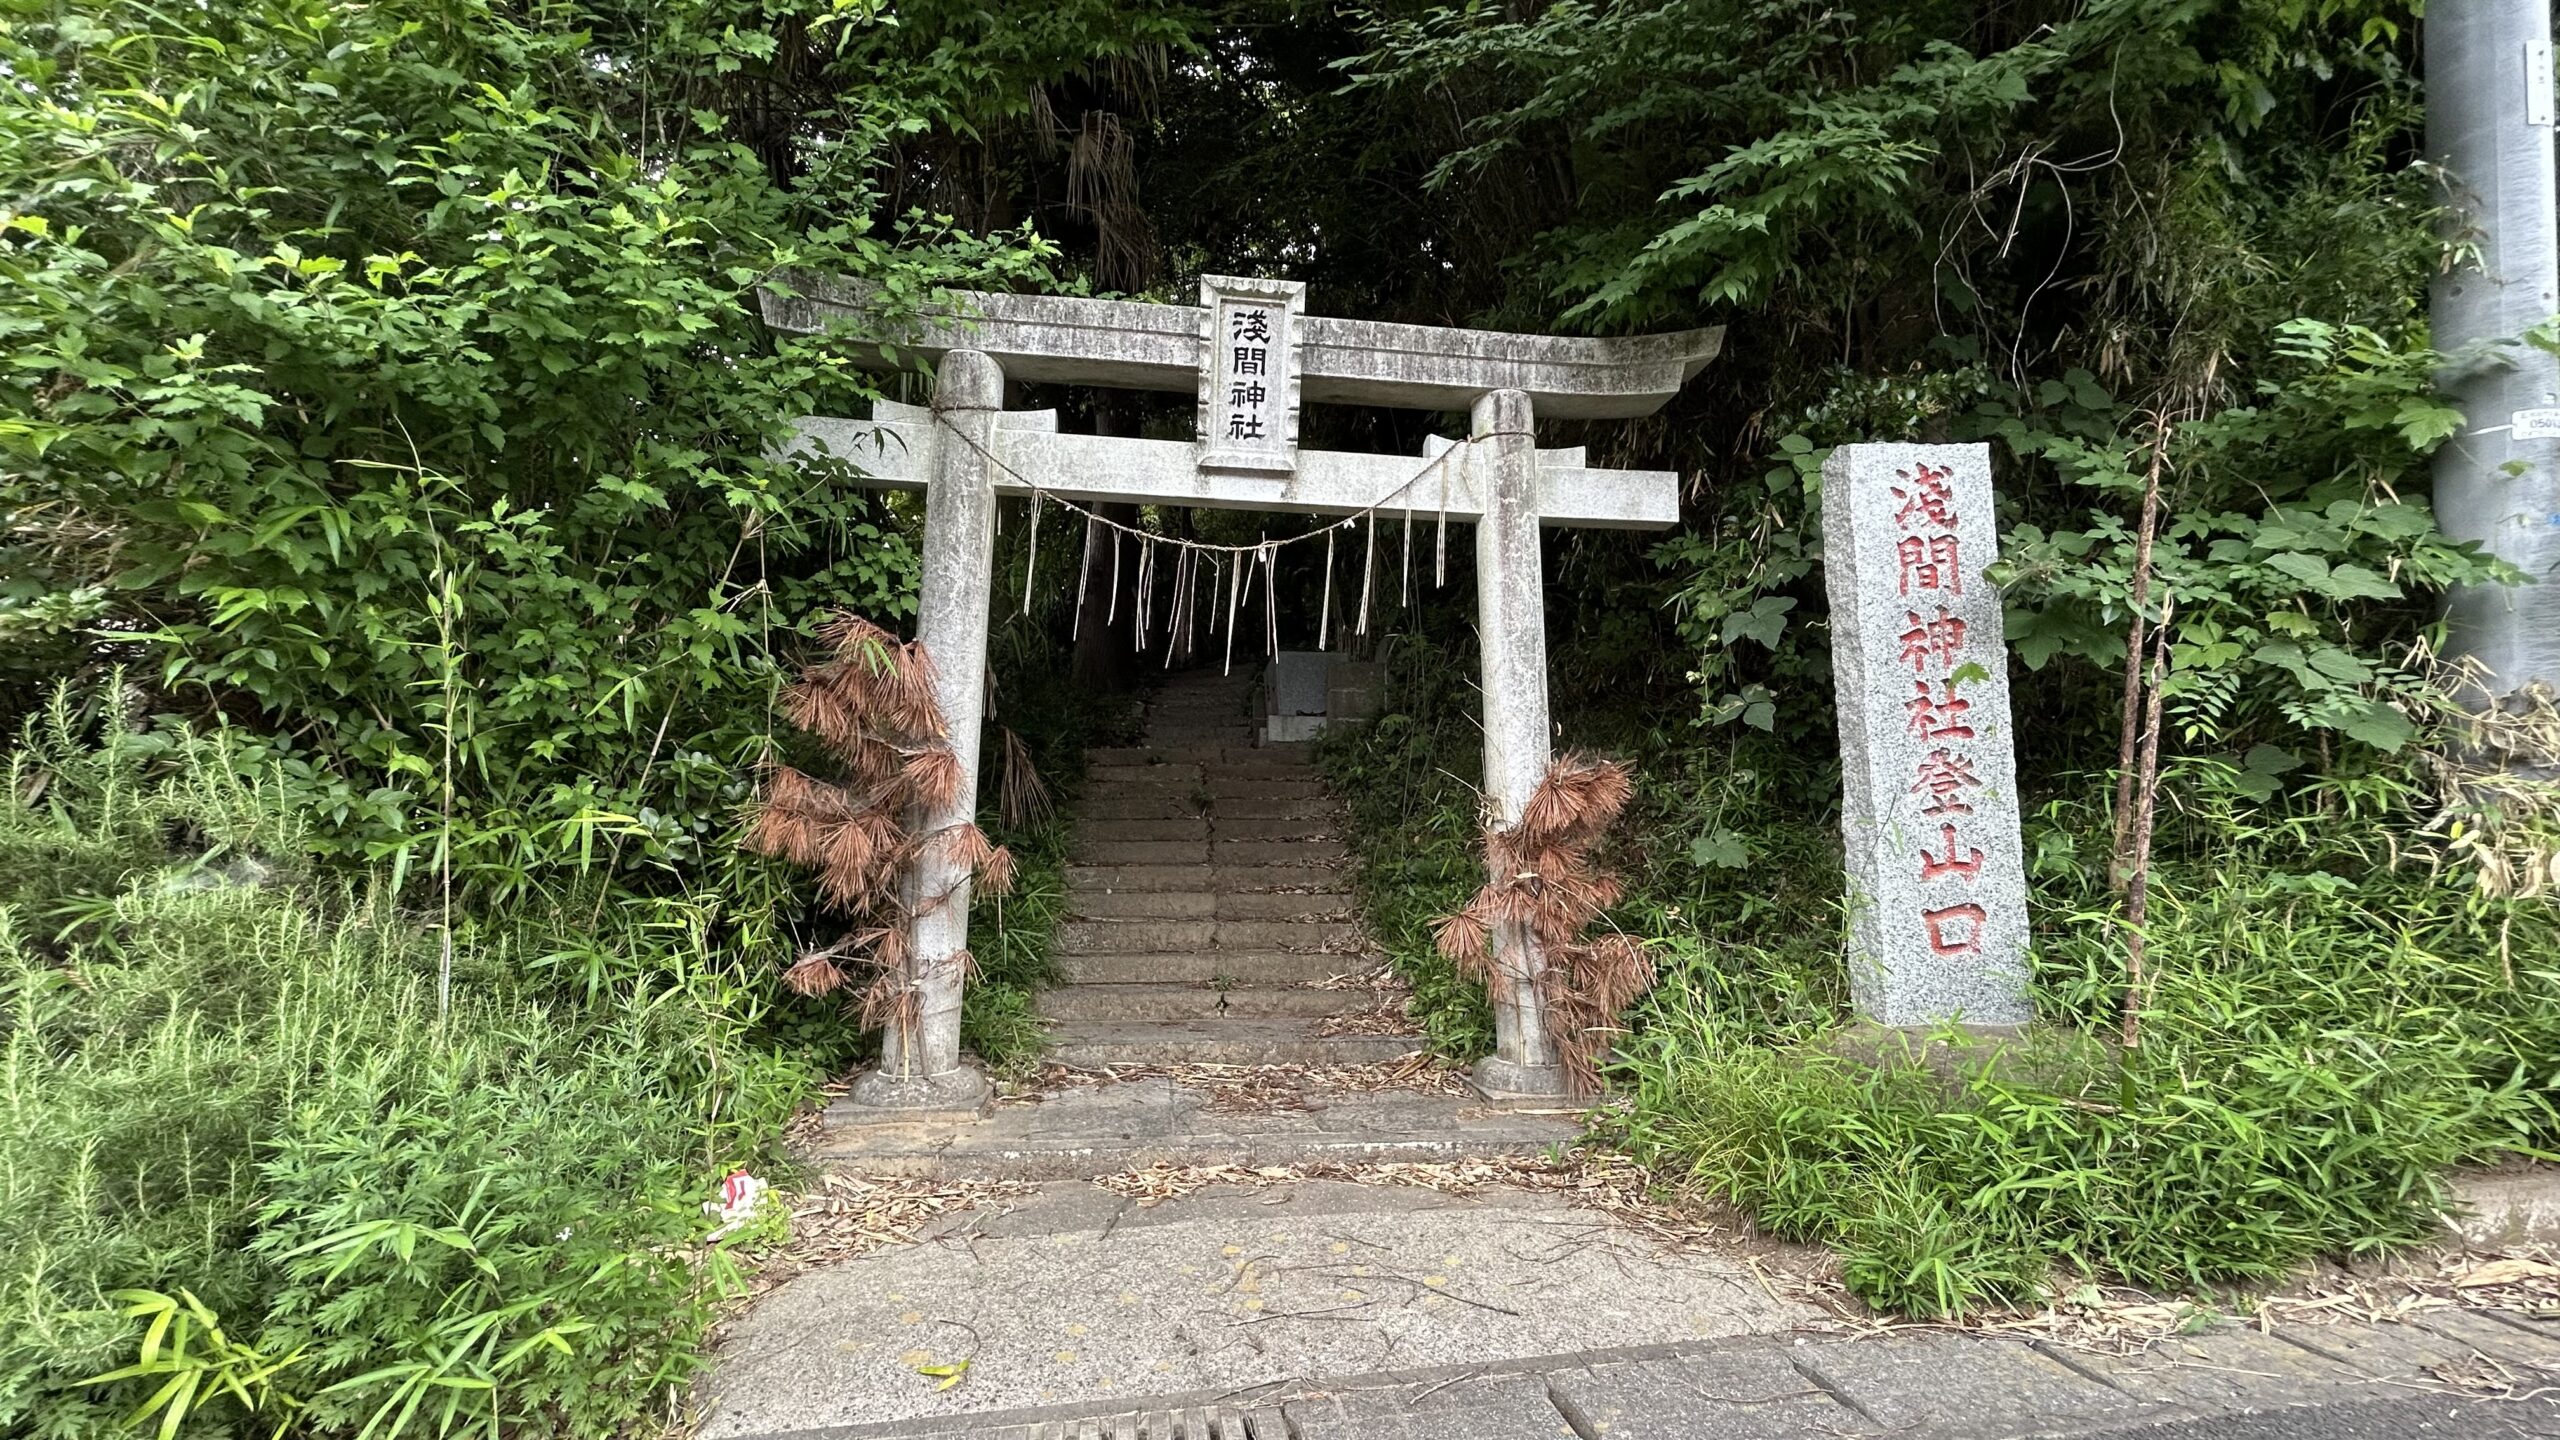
{"x":391,"y":374}
{"x":253,"y":1169}
{"x":2300,"y":1088}
{"x":1413,"y":833}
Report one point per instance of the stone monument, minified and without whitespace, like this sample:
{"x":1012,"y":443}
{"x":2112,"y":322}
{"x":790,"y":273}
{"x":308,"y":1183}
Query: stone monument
{"x":1937,"y":880}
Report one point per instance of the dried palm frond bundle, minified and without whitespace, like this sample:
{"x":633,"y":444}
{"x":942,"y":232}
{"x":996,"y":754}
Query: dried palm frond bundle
{"x":1546,"y":883}
{"x":870,"y":704}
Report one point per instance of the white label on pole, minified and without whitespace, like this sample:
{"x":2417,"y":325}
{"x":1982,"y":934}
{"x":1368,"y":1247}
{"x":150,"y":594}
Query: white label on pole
{"x":2534,"y":425}
{"x":2537,"y":82}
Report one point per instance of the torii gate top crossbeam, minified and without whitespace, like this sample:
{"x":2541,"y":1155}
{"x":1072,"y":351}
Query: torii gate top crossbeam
{"x":1142,"y":346}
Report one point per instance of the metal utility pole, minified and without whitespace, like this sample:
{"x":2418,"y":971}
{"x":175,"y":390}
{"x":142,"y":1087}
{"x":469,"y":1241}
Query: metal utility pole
{"x":2489,"y":124}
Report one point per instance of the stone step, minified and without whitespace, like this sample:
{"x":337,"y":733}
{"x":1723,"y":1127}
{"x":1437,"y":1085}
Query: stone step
{"x":1093,"y":1130}
{"x":1298,"y":936}
{"x":1090,"y":1044}
{"x":1143,"y":852}
{"x":1197,"y":754}
{"x":1158,"y":805}
{"x":1084,"y":879}
{"x":1209,"y":967}
{"x":1285,"y":807}
{"x":1293,"y":853}
{"x":1280,"y":772}
{"x":1218,"y":880}
{"x":1207,"y":905}
{"x":1141,"y":1001}
{"x":1264,"y":827}
{"x":1152,"y":936}
{"x":1317,"y":905}
{"x":1165,"y":772}
{"x":1146,"y":780}
{"x":1152,"y":827}
{"x":1142,"y":904}
{"x":1265,"y":785}
{"x":1133,"y":937}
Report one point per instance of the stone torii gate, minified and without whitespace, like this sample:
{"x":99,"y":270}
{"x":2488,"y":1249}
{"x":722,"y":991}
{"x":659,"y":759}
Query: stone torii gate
{"x":1252,"y":356}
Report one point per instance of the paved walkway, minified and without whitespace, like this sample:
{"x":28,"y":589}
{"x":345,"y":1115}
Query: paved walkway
{"x":1330,"y":1316}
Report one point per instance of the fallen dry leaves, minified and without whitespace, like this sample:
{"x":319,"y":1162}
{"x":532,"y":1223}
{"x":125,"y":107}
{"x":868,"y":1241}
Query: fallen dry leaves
{"x":1610,"y":1184}
{"x":2119,"y":1320}
{"x":1385,"y":1017}
{"x":851,"y":1215}
{"x":1262,"y":1088}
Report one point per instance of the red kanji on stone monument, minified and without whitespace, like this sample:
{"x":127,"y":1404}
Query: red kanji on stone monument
{"x":1928,"y":498}
{"x":1940,"y":717}
{"x":1969,"y":942}
{"x":1929,"y":563}
{"x":1932,"y":644}
{"x":1963,"y":867}
{"x":1944,"y":775}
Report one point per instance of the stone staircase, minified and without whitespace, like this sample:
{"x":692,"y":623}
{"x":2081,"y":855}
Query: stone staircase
{"x":1208,"y":920}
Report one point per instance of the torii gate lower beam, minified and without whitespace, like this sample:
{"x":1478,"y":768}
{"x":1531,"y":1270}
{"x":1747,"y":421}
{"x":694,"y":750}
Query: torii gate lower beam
{"x":965,"y":452}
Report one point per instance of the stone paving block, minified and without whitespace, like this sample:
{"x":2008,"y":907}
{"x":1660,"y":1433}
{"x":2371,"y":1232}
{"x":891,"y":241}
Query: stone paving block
{"x":2389,"y":1352}
{"x":1300,"y":935}
{"x":1135,"y":937}
{"x":1231,"y":879}
{"x":1954,"y":1386}
{"x":1506,"y":1407}
{"x":2228,"y":1369}
{"x":1225,"y":967}
{"x":1313,"y":825}
{"x":1223,"y":791}
{"x":1154,"y":827}
{"x":1139,"y":1000}
{"x":1142,"y":852}
{"x":1221,"y":1039}
{"x":1328,"y":853}
{"x":1087,"y":879}
{"x":1286,"y":905}
{"x":2517,"y":1341}
{"x":1274,"y":807}
{"x":1142,"y":904}
{"x":1161,"y":772}
{"x":1747,"y":1393}
{"x":1165,"y":806}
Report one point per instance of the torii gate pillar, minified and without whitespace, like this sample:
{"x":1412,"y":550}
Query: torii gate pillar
{"x":920,"y":1067}
{"x":1511,"y":626}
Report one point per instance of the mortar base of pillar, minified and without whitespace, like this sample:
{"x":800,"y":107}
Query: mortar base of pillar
{"x":1506,"y":1082}
{"x":881,"y":1098}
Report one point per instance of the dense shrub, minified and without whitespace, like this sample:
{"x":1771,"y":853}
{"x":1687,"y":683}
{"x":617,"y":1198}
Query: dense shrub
{"x":256,"y":1096}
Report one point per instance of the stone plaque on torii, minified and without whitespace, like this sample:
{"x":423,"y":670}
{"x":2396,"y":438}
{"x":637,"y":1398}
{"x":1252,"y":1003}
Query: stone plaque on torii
{"x":1253,"y":357}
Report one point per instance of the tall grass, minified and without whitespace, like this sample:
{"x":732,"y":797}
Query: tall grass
{"x":247,"y":1095}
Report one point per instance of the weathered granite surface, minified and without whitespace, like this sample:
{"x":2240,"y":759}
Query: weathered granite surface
{"x":894,"y":450}
{"x":1937,"y":881}
{"x":1358,"y":362}
{"x":1076,"y":1295}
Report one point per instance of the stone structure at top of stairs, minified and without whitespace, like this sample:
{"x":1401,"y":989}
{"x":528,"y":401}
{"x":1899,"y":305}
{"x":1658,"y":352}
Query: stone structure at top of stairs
{"x":1209,"y":917}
